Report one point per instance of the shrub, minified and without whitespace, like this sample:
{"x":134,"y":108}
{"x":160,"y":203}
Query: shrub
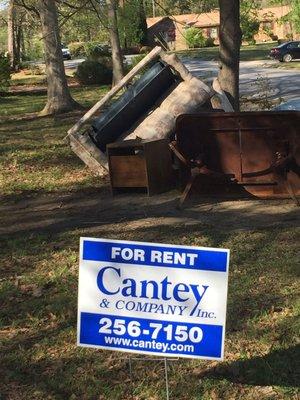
{"x":209,"y":42}
{"x":135,"y":60}
{"x":77,"y":49}
{"x":93,"y":72}
{"x":4,"y":72}
{"x":281,"y":41}
{"x":30,"y":69}
{"x":194,"y":38}
{"x":35,"y":50}
{"x":96,"y":50}
{"x":105,"y":60}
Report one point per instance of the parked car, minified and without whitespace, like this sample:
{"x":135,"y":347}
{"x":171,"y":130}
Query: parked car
{"x":286,"y":52}
{"x":66,"y":52}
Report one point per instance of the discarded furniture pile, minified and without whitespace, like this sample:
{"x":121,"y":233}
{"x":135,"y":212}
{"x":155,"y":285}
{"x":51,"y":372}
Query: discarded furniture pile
{"x":214,"y":150}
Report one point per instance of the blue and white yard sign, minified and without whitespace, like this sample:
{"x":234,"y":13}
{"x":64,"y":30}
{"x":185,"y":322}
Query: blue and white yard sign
{"x":150,"y":298}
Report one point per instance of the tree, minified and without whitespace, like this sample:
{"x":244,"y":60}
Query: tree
{"x":106,"y":12}
{"x":132,"y":23}
{"x":4,"y":72}
{"x":175,"y":7}
{"x":294,"y":16}
{"x":249,"y":19}
{"x":16,"y":18}
{"x":230,"y":42}
{"x":10,"y":33}
{"x":117,"y":60}
{"x":58,"y":95}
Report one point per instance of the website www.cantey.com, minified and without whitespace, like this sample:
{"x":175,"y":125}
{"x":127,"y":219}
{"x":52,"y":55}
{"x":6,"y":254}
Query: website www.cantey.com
{"x":149,"y":344}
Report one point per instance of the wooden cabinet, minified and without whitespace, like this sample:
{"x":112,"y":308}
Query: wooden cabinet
{"x":140,"y":165}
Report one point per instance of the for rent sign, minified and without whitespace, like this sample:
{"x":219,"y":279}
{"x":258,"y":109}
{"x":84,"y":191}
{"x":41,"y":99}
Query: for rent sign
{"x":152,"y":298}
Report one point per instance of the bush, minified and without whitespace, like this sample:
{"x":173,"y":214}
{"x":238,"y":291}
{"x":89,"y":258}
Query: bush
{"x":107,"y":61}
{"x":281,"y":41}
{"x":77,"y":49}
{"x":35,"y":50}
{"x":100,"y":53}
{"x":274,"y":37}
{"x":4,"y":72}
{"x":30,"y":69}
{"x":194,"y":38}
{"x":209,"y":42}
{"x":95,"y":50}
{"x":135,"y":60}
{"x":93,"y":72}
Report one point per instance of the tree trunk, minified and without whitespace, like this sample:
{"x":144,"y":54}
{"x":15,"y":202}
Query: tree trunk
{"x":230,"y":42}
{"x":22,"y":46}
{"x":10,"y":33}
{"x":18,"y":38}
{"x":58,"y":95}
{"x":117,"y":59}
{"x":143,"y":24}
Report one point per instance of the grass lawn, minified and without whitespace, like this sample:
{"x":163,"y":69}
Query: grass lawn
{"x":28,"y":77}
{"x":20,"y":79}
{"x":248,"y":53}
{"x":33,"y":155}
{"x":290,"y":65}
{"x":38,"y":287}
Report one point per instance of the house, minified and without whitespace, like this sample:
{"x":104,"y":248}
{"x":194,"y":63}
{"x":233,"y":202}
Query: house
{"x":273,"y":25}
{"x":161,"y":29}
{"x":171,"y":29}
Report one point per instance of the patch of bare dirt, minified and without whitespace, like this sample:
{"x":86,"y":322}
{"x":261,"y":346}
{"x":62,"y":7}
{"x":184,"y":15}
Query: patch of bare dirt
{"x":88,"y":209}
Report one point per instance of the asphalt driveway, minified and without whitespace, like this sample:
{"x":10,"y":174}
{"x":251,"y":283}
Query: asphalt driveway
{"x":283,"y":83}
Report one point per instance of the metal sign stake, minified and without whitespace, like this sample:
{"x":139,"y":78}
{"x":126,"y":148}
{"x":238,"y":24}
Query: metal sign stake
{"x":130,"y":359}
{"x":166,"y":378}
{"x":130,"y":368}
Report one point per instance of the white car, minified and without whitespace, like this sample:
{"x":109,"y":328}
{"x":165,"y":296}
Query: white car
{"x":66,"y":52}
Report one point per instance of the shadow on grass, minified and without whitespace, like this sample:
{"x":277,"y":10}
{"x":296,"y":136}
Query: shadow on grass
{"x":278,"y":368}
{"x":89,"y":373}
{"x":248,"y":297}
{"x":5,"y":98}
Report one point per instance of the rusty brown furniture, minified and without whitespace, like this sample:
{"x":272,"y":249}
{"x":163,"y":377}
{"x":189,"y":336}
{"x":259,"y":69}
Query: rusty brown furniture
{"x":238,"y":154}
{"x":140,"y":164}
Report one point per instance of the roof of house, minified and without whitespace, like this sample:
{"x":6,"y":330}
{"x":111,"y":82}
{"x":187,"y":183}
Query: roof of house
{"x":275,"y":12}
{"x":154,"y":20}
{"x":213,"y":18}
{"x":199,"y":20}
{"x":204,"y":19}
